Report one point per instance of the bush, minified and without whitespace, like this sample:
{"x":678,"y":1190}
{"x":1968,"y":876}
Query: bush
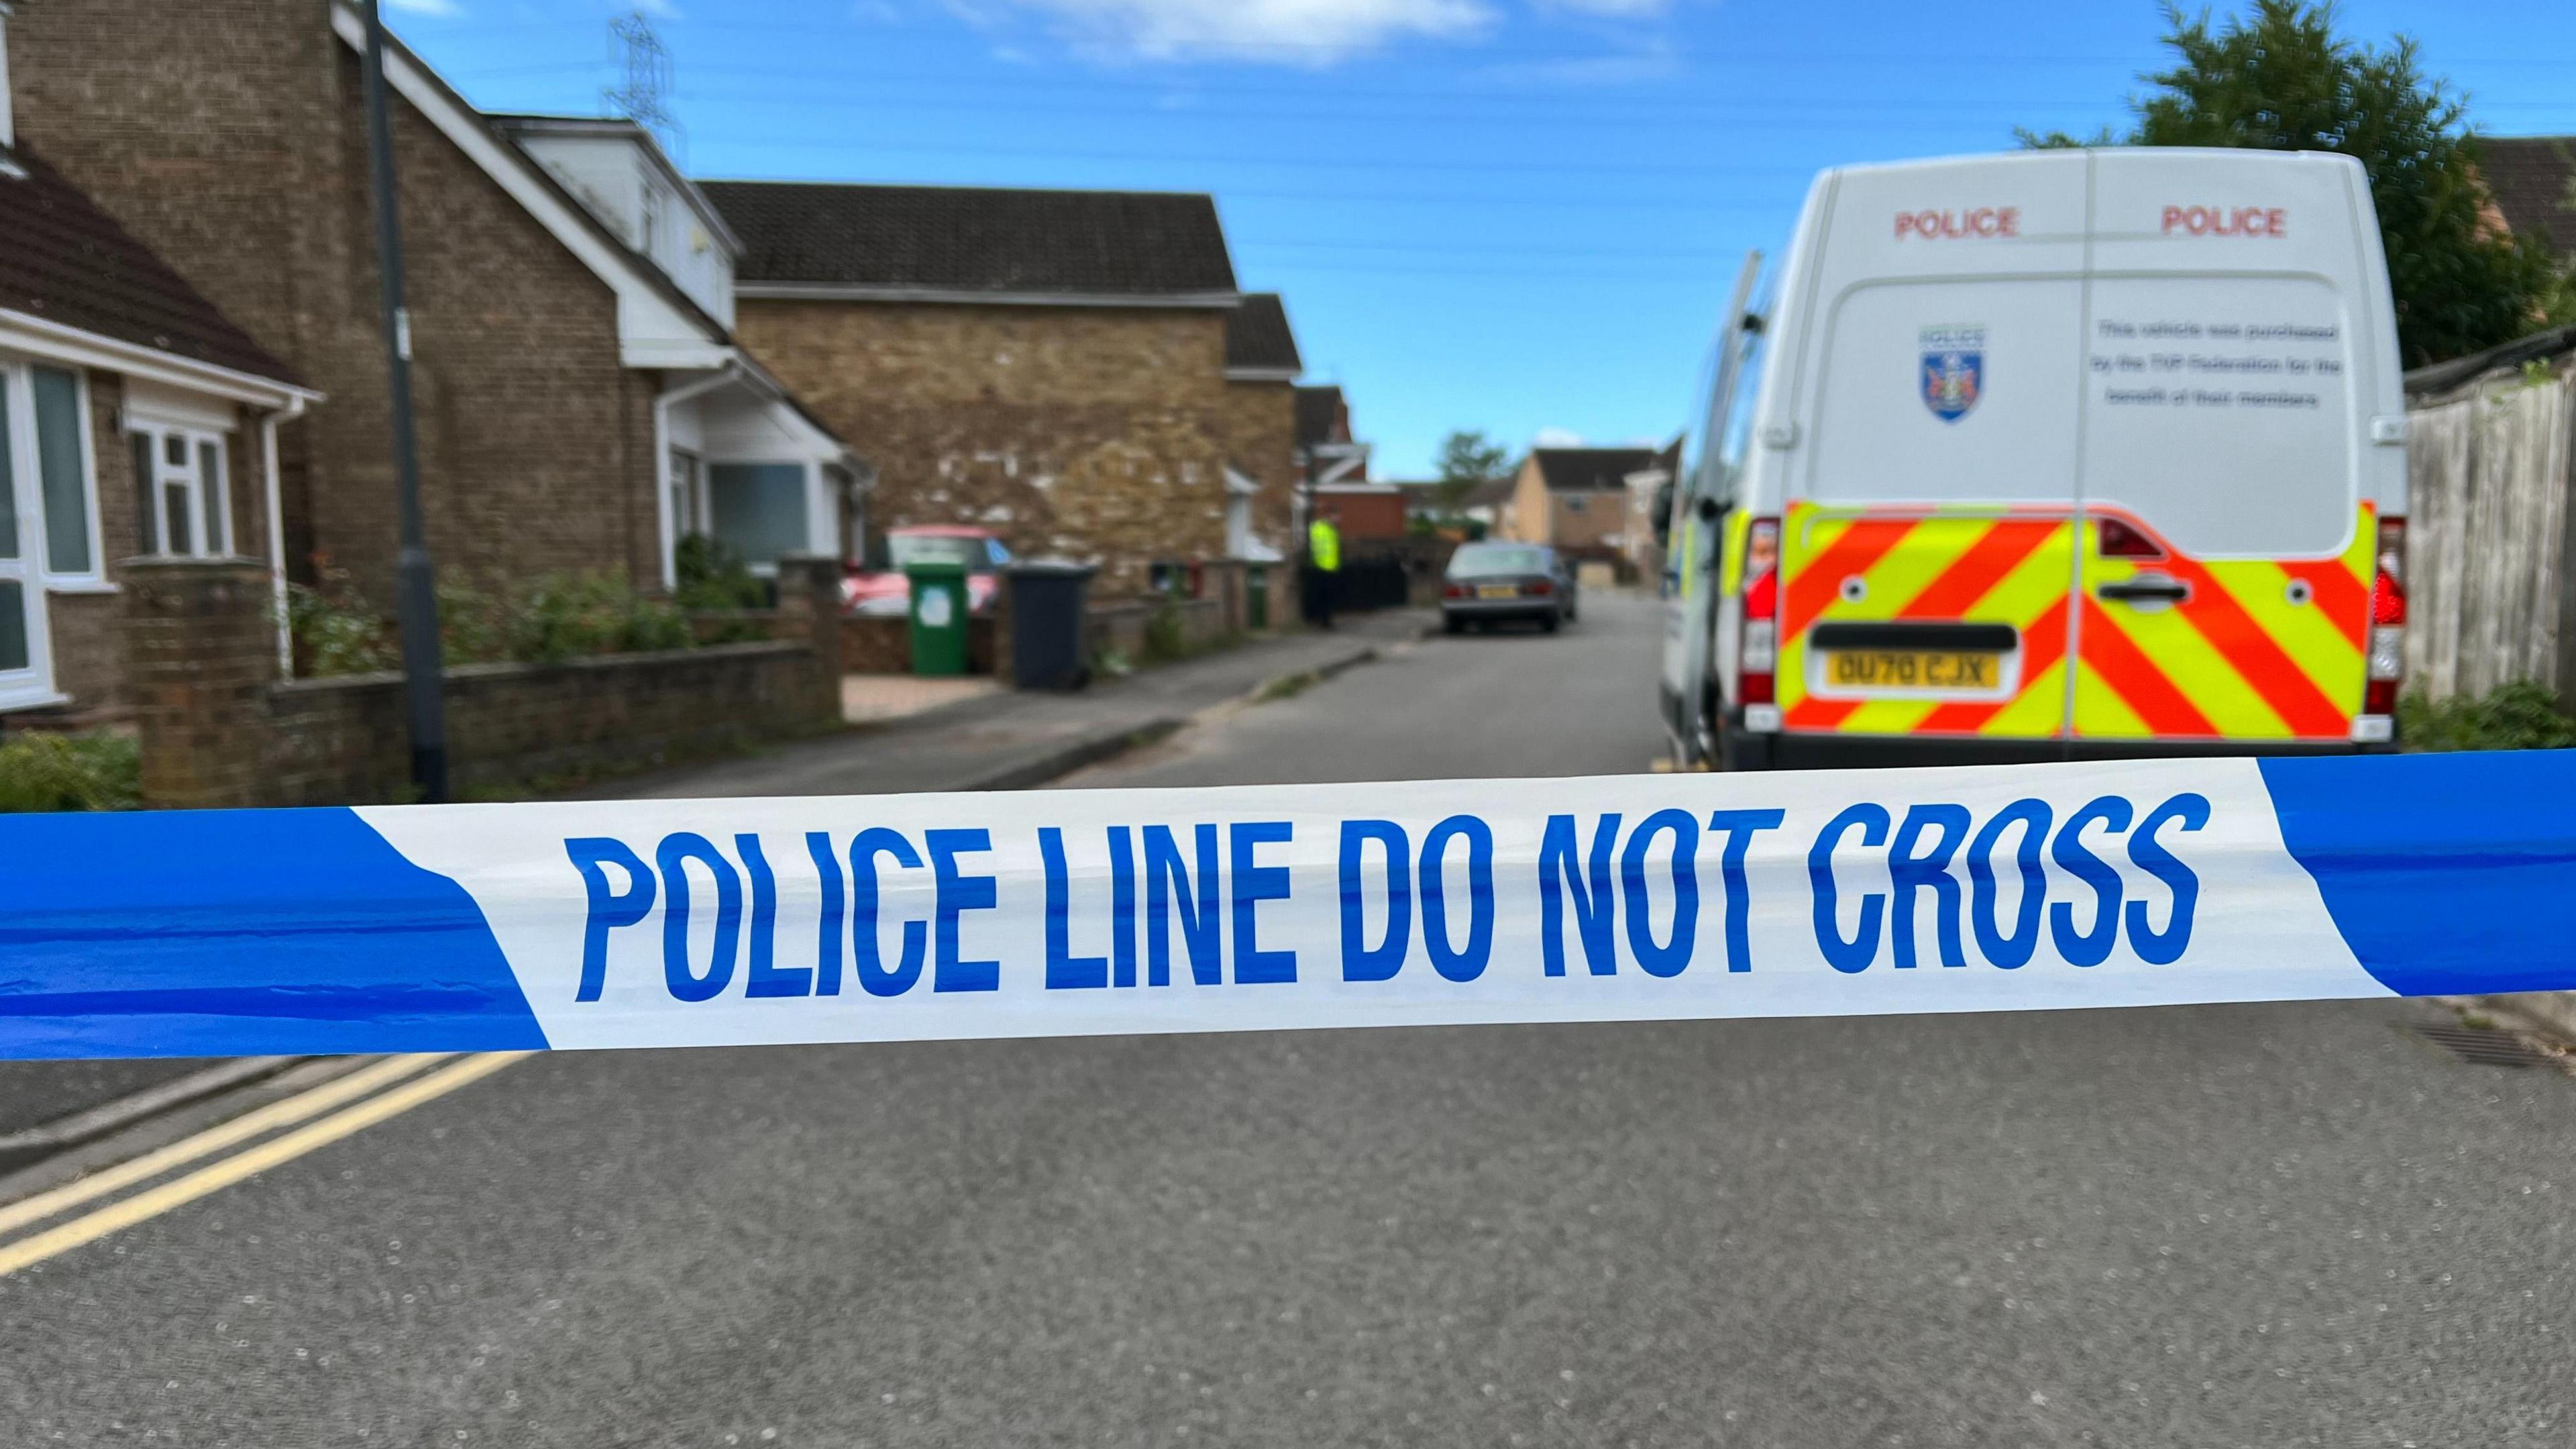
{"x":564,"y":616}
{"x":544,"y":620}
{"x":2517,"y":716}
{"x":99,"y":771}
{"x":1164,"y":640}
{"x":712,"y":576}
{"x":334,"y":631}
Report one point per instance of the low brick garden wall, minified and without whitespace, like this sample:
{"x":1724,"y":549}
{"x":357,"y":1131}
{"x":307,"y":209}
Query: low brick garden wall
{"x":1125,"y":626}
{"x":512,"y":726}
{"x":880,"y":645}
{"x":220,"y":729}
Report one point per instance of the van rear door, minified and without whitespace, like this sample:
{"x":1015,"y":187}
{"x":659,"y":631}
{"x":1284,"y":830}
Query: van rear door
{"x":2228,"y":538}
{"x":1928,"y":547}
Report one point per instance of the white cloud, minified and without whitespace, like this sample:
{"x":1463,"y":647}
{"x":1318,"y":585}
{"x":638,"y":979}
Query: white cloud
{"x":439,"y":9}
{"x":1289,"y":32}
{"x":1556,"y":438}
{"x":1615,"y":9}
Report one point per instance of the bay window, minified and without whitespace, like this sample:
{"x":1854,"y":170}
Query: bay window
{"x":182,"y":493}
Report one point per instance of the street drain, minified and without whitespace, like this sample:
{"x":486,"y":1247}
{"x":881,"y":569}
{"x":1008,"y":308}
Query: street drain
{"x":2484,"y":1045}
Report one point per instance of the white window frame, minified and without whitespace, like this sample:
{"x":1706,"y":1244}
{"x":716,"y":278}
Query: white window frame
{"x":33,"y":685}
{"x":21,"y":371}
{"x":190,"y":476}
{"x":650,"y":223}
{"x":688,"y":490}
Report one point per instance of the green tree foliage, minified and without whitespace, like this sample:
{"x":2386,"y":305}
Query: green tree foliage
{"x":1467,"y":458}
{"x":2280,"y":79}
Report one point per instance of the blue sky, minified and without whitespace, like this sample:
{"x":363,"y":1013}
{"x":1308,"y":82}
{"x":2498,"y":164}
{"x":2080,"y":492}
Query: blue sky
{"x":1515,"y":215}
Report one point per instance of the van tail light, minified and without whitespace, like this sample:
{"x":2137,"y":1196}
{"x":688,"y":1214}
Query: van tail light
{"x":2387,"y":672}
{"x":1758,"y":653}
{"x":2118,"y":538}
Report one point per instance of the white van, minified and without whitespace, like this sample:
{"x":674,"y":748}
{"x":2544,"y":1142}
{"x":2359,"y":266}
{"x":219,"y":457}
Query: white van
{"x":2049,"y":454}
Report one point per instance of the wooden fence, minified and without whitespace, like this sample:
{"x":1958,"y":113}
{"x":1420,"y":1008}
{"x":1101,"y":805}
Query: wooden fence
{"x":2491,"y":460}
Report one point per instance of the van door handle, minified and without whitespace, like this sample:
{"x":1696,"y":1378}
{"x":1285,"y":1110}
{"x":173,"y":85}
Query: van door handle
{"x":2145,"y":588}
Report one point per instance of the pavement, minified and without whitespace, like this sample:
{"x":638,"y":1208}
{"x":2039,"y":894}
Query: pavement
{"x":2217,"y":1226}
{"x":877,"y":698}
{"x":998,"y":741}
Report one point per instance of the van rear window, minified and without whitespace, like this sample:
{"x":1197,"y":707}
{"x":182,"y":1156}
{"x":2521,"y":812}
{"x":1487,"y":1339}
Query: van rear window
{"x":2220,"y":410}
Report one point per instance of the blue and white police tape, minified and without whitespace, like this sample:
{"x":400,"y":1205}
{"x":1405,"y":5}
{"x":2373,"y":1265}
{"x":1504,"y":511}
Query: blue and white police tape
{"x":891,"y":918}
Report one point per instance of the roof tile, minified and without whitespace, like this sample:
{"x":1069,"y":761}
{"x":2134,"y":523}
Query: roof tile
{"x":69,"y":262}
{"x":1257,"y":335}
{"x":2534,"y":181}
{"x":1104,"y":244}
{"x":1592,"y":470}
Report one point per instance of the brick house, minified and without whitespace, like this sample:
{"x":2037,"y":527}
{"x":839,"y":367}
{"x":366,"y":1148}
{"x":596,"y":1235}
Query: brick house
{"x":1326,"y":451}
{"x":1261,"y":467}
{"x":135,"y":419}
{"x":1047,"y":364}
{"x":562,"y":350}
{"x":1578,"y":499}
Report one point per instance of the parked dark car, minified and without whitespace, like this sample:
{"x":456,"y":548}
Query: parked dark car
{"x":1491,"y":583}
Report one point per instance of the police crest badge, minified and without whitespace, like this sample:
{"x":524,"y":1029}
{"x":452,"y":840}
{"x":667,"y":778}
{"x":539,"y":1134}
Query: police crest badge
{"x":1954,"y":370}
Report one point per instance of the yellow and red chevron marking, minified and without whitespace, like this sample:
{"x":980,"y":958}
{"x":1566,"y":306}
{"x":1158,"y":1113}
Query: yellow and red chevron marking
{"x":1986,"y":566}
{"x":2242,"y":658}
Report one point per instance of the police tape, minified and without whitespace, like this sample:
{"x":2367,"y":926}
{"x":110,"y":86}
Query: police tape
{"x":907,"y":917}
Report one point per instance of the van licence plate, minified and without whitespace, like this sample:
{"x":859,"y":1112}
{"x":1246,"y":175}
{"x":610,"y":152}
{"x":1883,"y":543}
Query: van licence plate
{"x":1913,"y":669}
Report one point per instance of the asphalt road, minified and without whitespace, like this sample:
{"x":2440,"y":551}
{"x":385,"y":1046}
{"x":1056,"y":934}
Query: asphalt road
{"x":2232,"y":1226}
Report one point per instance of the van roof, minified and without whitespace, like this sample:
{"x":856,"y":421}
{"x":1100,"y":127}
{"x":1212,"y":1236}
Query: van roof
{"x":2107,"y":155}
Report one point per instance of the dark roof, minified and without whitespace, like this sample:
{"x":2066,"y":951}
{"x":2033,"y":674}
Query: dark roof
{"x":1086,"y":244}
{"x":1320,"y":416}
{"x":1591,"y":470}
{"x":1257,"y":335}
{"x":69,"y":262}
{"x":2534,"y":181}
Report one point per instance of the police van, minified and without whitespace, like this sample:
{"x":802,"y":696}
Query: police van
{"x":2047,"y":455}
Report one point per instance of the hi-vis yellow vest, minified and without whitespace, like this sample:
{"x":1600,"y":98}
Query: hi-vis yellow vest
{"x":1324,"y":542}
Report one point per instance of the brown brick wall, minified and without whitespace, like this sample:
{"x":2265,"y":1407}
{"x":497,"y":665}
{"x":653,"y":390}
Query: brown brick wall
{"x":1261,"y":440}
{"x":200,"y":663}
{"x":1365,"y":515}
{"x":228,"y":135}
{"x":1094,"y":433}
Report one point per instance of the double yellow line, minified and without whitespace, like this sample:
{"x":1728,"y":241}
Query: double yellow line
{"x":364,"y":1087}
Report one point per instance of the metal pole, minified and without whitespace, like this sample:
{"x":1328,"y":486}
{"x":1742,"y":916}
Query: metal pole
{"x":415,"y":584}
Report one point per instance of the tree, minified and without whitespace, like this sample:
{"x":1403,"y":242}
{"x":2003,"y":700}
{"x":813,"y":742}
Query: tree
{"x":2279,"y":79}
{"x":1467,"y":458}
